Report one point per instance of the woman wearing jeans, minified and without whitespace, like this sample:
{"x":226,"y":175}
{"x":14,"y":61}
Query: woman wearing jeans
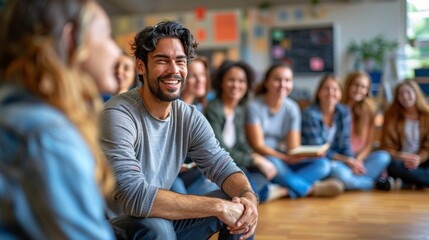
{"x":273,"y":129}
{"x":328,"y":121}
{"x":406,"y":136}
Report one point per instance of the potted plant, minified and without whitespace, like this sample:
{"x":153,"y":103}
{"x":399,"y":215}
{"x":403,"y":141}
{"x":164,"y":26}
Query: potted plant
{"x":370,"y":54}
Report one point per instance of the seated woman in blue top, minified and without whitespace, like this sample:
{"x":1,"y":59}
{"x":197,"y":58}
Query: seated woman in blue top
{"x":56,"y":56}
{"x":328,"y":121}
{"x":273,"y":128}
{"x":226,"y":114}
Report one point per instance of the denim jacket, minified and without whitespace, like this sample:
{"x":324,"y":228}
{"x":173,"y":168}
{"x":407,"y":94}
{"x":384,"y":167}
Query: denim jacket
{"x":47,"y":184}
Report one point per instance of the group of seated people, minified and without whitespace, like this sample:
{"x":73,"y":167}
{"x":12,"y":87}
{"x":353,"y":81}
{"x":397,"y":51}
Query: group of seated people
{"x":173,"y":169}
{"x":259,"y":125}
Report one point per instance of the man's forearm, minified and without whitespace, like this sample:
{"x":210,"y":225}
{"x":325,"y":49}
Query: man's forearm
{"x":173,"y":206}
{"x":236,"y":184}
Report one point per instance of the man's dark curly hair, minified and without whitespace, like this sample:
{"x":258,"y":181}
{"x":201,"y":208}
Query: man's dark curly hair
{"x":146,"y":40}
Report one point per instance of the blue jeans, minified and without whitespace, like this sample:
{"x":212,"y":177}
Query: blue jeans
{"x":299,"y":178}
{"x":418,"y":176}
{"x":193,"y":182}
{"x":164,"y":229}
{"x":375,"y":163}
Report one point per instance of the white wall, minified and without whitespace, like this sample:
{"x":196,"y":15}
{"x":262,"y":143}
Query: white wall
{"x":353,"y":21}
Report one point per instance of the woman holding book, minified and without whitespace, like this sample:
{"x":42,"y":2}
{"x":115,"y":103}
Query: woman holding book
{"x":329,"y":121}
{"x":273,"y":128}
{"x":406,"y":135}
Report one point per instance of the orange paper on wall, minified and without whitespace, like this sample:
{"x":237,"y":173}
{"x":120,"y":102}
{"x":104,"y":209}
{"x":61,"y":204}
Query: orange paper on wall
{"x":225,"y":28}
{"x":200,"y":13}
{"x":201,"y":35}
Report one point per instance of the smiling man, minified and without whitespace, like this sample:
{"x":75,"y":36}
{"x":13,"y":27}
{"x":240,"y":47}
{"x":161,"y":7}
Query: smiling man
{"x":147,"y":133}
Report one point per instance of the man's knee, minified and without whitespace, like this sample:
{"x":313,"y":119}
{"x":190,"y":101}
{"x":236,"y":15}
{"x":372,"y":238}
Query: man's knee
{"x":144,"y":228}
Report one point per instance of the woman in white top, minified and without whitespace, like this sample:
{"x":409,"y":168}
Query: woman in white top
{"x":226,"y":114}
{"x":406,"y":135}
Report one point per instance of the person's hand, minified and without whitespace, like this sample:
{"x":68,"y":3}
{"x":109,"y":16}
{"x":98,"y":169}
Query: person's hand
{"x":266,"y":167}
{"x":186,"y":166}
{"x":357,"y":167}
{"x":411,"y":161}
{"x":232,"y":212}
{"x":350,"y":162}
{"x":247,"y":223}
{"x":292,"y":159}
{"x":321,"y":154}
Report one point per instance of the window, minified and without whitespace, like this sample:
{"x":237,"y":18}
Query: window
{"x":418,"y":33}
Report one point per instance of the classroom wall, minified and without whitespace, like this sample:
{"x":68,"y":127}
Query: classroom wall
{"x":354,"y":20}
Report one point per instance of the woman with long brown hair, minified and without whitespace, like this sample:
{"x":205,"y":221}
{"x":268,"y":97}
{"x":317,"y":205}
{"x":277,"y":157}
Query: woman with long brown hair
{"x":406,"y":135}
{"x":56,"y":58}
{"x":329,"y":121}
{"x":356,"y":96}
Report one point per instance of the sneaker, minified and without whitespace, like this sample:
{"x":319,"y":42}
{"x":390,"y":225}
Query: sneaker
{"x":328,"y":188}
{"x":399,"y":184}
{"x":386,"y":184}
{"x":406,"y":185}
{"x":276,"y":191}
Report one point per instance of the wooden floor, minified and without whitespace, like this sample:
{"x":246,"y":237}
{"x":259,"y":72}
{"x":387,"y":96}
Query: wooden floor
{"x":353,"y":215}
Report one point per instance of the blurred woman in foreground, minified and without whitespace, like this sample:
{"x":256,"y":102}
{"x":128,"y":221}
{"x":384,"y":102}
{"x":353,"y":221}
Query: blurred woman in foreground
{"x":56,"y":58}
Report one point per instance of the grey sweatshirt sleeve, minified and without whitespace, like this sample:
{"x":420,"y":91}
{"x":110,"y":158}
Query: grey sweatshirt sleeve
{"x":215,"y":163}
{"x":119,"y":137}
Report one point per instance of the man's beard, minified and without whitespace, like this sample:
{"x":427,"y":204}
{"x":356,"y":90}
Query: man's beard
{"x":155,"y":89}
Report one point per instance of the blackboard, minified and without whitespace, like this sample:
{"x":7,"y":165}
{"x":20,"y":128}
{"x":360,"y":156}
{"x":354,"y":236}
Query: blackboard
{"x":307,"y":49}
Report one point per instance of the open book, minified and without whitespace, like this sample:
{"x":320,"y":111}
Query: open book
{"x":310,"y":150}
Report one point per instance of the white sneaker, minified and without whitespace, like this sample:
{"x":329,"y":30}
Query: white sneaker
{"x":276,"y":191}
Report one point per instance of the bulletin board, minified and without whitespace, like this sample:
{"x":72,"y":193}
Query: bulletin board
{"x":308,"y":49}
{"x":217,"y":29}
